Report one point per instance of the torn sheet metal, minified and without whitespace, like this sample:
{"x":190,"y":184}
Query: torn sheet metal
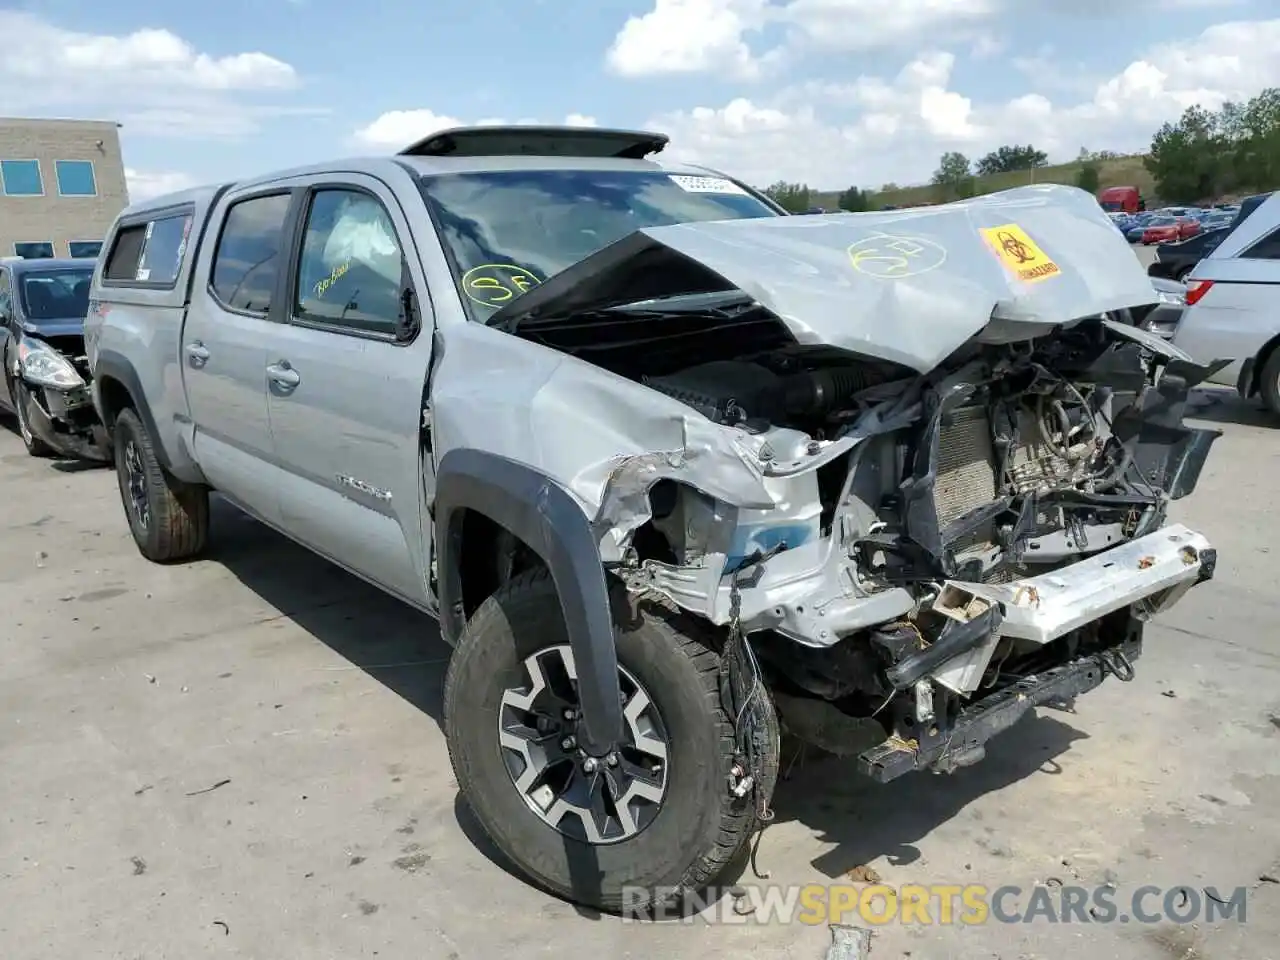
{"x":908,"y":286}
{"x":849,"y":943}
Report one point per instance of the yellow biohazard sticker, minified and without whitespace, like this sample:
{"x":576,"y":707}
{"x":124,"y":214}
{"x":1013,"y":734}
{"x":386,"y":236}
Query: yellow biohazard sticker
{"x":1019,"y":253}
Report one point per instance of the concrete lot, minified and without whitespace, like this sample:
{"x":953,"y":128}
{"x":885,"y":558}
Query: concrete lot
{"x":241,"y":757}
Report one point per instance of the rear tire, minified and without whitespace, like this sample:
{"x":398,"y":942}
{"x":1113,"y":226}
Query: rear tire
{"x":1269,"y":383}
{"x":698,"y":827}
{"x":169,"y":519}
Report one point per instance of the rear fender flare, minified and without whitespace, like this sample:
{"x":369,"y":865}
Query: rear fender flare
{"x":110,"y":364}
{"x":550,"y":522}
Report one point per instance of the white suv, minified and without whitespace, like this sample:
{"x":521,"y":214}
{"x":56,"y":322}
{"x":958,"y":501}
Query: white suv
{"x":1233,"y":306}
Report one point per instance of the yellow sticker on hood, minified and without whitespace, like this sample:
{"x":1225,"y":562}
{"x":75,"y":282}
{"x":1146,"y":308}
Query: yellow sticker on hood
{"x":1019,"y":253}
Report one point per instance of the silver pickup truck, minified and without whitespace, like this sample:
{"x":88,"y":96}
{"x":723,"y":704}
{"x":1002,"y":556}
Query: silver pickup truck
{"x":674,"y":472}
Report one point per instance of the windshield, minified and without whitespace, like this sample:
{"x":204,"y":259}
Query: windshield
{"x":55,"y":294}
{"x":1162,"y":222}
{"x":508,"y":231}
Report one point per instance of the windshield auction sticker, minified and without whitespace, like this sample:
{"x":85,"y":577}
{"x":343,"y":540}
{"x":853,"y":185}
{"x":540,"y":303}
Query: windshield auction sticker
{"x":1019,"y":253}
{"x":493,"y":284}
{"x":892,"y":257}
{"x":706,"y":184}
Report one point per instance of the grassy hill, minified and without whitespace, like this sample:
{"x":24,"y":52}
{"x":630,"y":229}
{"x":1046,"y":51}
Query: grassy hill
{"x":1123,"y":171}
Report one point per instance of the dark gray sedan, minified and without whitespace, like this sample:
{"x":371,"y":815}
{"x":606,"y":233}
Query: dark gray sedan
{"x":45,"y":372}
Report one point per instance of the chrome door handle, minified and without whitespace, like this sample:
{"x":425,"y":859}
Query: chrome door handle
{"x":197,"y":353}
{"x":283,"y":375}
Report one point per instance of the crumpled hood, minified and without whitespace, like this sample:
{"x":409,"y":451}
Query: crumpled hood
{"x":57,"y":327}
{"x":908,"y":286}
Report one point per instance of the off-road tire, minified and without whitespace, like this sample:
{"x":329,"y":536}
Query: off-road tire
{"x":35,"y":446}
{"x":1269,"y":383}
{"x":701,"y":827}
{"x":179,"y":512}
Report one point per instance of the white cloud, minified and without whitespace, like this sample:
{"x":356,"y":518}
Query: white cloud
{"x":145,"y":184}
{"x":872,"y":130}
{"x":713,"y":36}
{"x":144,"y":58}
{"x":688,"y":36}
{"x":150,"y":76}
{"x":847,"y":25}
{"x":399,"y":128}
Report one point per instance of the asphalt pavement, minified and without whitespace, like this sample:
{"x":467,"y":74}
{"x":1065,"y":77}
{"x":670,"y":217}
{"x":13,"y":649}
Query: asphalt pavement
{"x":241,"y":757}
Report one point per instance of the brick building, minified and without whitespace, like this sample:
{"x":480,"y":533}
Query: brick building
{"x":61,"y":185}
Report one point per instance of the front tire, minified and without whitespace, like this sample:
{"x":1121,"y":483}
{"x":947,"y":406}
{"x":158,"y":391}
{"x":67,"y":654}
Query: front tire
{"x":21,"y":396}
{"x":169,"y":519}
{"x":684,"y":826}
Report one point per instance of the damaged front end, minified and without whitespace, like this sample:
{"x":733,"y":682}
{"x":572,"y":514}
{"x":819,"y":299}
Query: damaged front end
{"x":53,"y":370}
{"x":933,"y":496}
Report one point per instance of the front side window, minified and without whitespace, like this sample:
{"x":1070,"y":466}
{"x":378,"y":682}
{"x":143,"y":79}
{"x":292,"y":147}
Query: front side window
{"x":507,"y":231}
{"x":149,"y":252}
{"x":55,"y":294}
{"x":75,"y":178}
{"x":21,"y":178}
{"x":84,"y":248}
{"x":34,"y":249}
{"x":246,"y":262}
{"x":351,"y":266}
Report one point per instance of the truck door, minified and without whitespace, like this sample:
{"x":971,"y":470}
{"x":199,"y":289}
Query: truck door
{"x":224,"y":351}
{"x":345,"y":383}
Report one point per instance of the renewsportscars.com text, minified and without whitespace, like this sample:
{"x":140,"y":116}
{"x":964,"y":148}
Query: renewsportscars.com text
{"x":940,"y":904}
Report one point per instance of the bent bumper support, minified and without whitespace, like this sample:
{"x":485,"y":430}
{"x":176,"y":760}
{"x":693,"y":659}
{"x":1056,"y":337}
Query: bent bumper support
{"x":549,"y":521}
{"x":963,"y":743}
{"x":1155,"y":571}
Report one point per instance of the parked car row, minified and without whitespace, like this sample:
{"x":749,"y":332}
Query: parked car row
{"x":663,"y":500}
{"x":1175,"y":260}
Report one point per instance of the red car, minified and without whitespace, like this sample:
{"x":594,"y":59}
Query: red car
{"x":1170,"y":230}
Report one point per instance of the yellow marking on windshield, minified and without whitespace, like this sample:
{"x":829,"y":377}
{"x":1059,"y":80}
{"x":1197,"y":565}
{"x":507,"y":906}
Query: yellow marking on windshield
{"x":494,"y":284}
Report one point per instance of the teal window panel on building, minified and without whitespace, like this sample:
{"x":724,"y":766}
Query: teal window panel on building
{"x":76,"y":178}
{"x":21,"y":178}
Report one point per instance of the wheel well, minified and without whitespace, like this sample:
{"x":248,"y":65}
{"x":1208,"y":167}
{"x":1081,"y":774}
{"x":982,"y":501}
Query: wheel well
{"x":1259,"y":362}
{"x":115,"y":397}
{"x":490,"y":556}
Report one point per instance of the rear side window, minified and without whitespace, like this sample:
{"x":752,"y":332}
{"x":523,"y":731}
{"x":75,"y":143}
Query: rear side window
{"x":150,"y":252}
{"x":1268,"y":248}
{"x":246,"y":262}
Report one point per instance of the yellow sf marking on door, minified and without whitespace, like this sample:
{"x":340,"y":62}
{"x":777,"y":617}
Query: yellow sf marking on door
{"x":1019,"y":253}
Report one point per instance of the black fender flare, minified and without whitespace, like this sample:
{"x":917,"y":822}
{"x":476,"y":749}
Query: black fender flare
{"x":118,"y":367}
{"x":550,"y":522}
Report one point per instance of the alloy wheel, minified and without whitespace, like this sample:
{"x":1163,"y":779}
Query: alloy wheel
{"x":599,"y":800}
{"x":136,"y":479}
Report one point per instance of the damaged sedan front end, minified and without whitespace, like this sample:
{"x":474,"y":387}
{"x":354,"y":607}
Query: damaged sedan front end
{"x":923,"y":471}
{"x":45,"y":363}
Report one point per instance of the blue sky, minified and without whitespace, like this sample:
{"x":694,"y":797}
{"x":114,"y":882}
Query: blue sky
{"x":832,"y":92}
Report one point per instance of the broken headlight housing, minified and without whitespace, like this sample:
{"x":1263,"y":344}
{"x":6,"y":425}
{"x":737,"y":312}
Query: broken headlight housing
{"x":40,"y":364}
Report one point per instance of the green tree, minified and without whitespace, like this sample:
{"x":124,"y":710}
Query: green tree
{"x":792,"y":197}
{"x":953,"y":176}
{"x":1088,"y":178}
{"x":853,"y":200}
{"x":1010,"y":158}
{"x":1189,"y":159}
